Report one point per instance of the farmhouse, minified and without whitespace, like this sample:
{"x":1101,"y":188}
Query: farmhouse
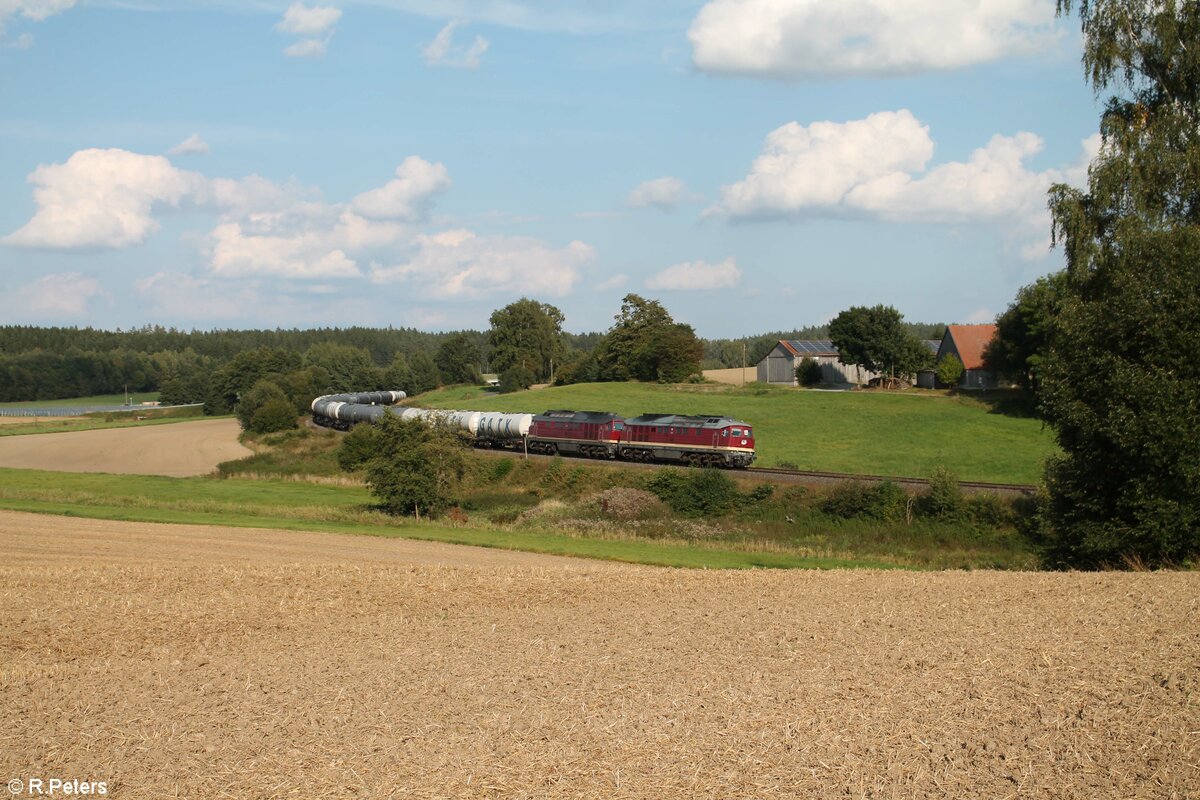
{"x":968,"y":343}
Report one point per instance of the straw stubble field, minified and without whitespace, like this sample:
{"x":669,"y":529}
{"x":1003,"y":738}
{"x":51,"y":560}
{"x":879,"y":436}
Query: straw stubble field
{"x":203,"y":662}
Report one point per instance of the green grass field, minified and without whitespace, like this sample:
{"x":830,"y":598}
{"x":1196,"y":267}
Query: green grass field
{"x":903,"y":434}
{"x":95,"y":400}
{"x":299,"y":505}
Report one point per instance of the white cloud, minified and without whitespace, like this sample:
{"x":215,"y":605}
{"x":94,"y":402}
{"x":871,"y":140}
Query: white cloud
{"x":22,"y":42}
{"x":316,"y":26}
{"x":66,"y":294}
{"x":664,"y":193}
{"x":110,"y":198}
{"x":35,"y":10}
{"x":697,"y":275}
{"x":461,"y":264}
{"x":442,"y":52}
{"x":307,"y":48}
{"x":796,"y":39}
{"x":409,"y":195}
{"x":302,"y":20}
{"x":875,"y":168}
{"x":193,"y":145}
{"x":101,"y":199}
{"x":980,"y":316}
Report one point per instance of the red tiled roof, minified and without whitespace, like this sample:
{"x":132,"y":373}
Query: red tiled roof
{"x":971,"y":341}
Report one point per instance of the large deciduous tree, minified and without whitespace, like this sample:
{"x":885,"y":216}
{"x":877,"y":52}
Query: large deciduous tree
{"x":647,"y":344}
{"x":1122,"y":383}
{"x":458,"y":359}
{"x":526,"y":334}
{"x":876,"y":339}
{"x":1023,"y":332}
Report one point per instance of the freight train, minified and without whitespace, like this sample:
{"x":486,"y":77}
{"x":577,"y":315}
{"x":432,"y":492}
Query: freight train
{"x":706,"y":440}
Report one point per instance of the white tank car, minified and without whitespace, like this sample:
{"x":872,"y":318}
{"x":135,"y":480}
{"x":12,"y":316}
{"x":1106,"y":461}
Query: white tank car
{"x":496,"y":427}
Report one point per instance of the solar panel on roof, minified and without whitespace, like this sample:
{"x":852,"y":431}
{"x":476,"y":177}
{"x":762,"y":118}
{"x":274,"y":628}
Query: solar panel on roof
{"x":815,"y":347}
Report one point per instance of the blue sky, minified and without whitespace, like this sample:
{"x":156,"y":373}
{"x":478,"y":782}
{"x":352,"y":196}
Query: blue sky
{"x":753,"y":164}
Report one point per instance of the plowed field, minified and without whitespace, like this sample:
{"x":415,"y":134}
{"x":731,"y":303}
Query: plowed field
{"x":177,"y":450}
{"x":174,"y":661}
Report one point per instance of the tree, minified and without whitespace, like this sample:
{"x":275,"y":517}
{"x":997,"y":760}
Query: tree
{"x":416,"y":467}
{"x":350,"y":368}
{"x":526,"y":333}
{"x":265,"y":409}
{"x":809,"y":373}
{"x":423,"y":374}
{"x":458,"y":359}
{"x":1023,"y":332}
{"x":646,"y":344}
{"x":877,"y":340}
{"x":950,"y":370}
{"x":1121,"y":385}
{"x":396,"y":376}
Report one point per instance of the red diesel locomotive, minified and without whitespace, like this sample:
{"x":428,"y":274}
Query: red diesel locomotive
{"x":701,"y":440}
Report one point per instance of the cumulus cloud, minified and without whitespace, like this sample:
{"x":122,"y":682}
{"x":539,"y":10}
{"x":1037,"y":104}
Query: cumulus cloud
{"x":315,"y":24}
{"x":111,"y":199}
{"x":797,"y":39}
{"x":302,"y":20}
{"x":101,"y":199}
{"x":443,"y":52}
{"x":697,"y":275}
{"x":409,"y":195}
{"x":461,"y":264}
{"x":66,"y":294}
{"x":613,"y":282}
{"x":665,"y":193}
{"x":876,"y":168}
{"x":193,"y":145}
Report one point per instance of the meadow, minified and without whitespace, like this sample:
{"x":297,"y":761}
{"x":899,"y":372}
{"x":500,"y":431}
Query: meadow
{"x":900,"y":434}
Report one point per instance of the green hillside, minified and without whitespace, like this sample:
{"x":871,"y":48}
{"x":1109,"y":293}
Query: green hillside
{"x":902,"y":434}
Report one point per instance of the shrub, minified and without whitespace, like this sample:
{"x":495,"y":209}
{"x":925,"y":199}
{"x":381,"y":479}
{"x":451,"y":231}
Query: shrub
{"x":515,"y":378}
{"x":988,"y":511}
{"x":276,"y":414}
{"x":358,"y":447}
{"x":760,"y":493}
{"x":259,"y":395}
{"x":704,"y":492}
{"x":853,"y":499}
{"x":416,"y":467}
{"x":944,"y":498}
{"x":809,"y":373}
{"x":950,"y":370}
{"x":625,"y":503}
{"x":501,"y":469}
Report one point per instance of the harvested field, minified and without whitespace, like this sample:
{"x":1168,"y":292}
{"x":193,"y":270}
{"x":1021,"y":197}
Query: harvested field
{"x":736,"y":376}
{"x":200,"y":662}
{"x":177,"y":450}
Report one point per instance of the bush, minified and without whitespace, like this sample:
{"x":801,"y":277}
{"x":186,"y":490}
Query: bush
{"x":625,"y":503}
{"x":259,"y":395}
{"x":516,"y":378}
{"x":761,"y":493}
{"x":276,"y":414}
{"x":853,"y":499}
{"x":809,"y":373}
{"x":944,"y":498}
{"x":950,"y":370}
{"x":358,"y":447}
{"x":988,"y":511}
{"x":696,"y":493}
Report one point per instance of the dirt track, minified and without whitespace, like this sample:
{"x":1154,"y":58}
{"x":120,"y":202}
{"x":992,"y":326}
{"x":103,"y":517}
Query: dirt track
{"x":197,"y":662}
{"x":176,"y":450}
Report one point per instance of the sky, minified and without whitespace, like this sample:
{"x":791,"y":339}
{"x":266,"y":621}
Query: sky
{"x":754,"y":165}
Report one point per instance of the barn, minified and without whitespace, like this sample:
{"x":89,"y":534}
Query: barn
{"x":968,"y":343}
{"x":779,"y":365}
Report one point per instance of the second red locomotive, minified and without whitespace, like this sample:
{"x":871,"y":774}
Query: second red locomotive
{"x":700,"y":440}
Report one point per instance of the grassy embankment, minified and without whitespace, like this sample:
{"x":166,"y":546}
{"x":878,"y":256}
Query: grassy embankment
{"x":903,"y":434}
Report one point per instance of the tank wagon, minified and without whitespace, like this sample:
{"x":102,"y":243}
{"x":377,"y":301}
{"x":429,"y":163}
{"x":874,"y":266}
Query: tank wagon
{"x":705,"y":440}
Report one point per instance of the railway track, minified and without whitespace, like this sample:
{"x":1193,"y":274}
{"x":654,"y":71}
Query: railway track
{"x":810,"y":476}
